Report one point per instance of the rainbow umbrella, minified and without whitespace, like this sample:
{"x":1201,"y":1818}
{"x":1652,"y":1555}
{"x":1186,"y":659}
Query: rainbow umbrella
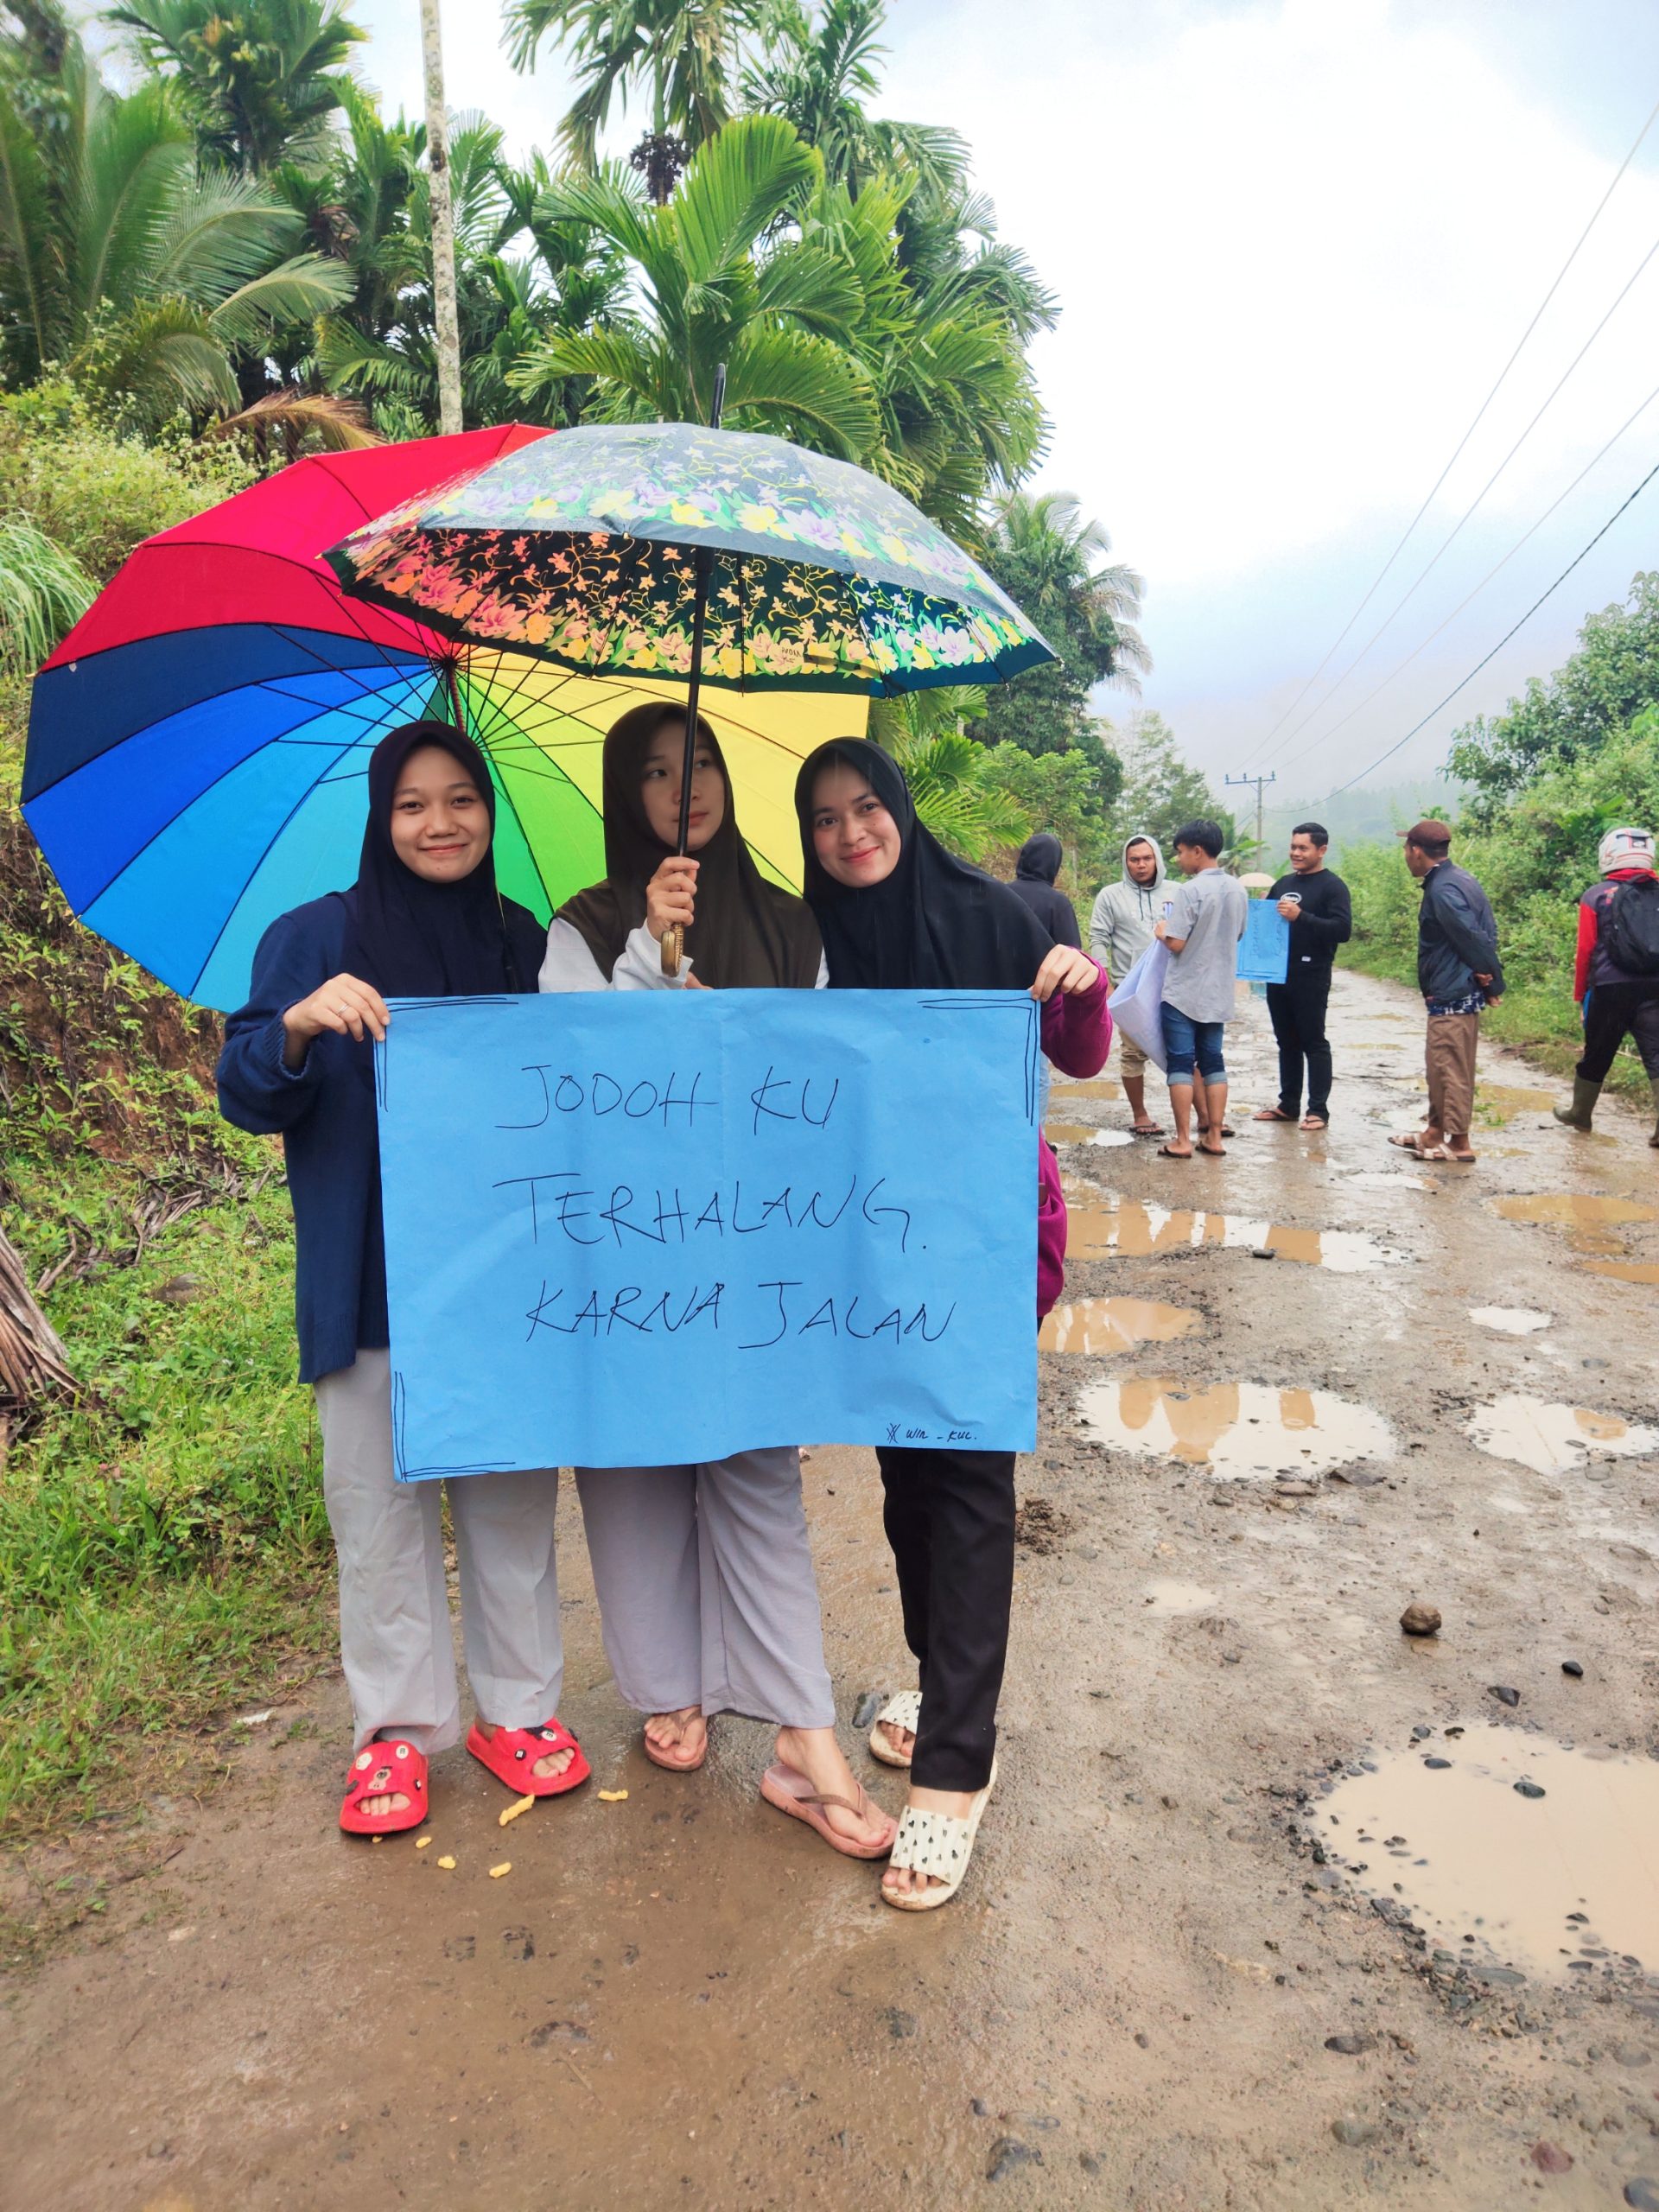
{"x":198,"y":744}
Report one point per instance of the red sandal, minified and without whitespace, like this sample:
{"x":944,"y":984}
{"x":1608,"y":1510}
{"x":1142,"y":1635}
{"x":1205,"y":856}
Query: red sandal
{"x":511,"y":1755}
{"x":385,"y":1770}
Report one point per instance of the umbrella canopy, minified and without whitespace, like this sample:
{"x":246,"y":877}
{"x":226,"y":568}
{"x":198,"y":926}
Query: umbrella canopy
{"x":198,"y":744}
{"x":581,"y":550}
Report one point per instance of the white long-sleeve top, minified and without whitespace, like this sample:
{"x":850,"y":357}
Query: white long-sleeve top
{"x":570,"y":965}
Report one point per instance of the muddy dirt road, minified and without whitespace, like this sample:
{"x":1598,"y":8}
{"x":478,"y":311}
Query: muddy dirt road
{"x":1162,"y":1989}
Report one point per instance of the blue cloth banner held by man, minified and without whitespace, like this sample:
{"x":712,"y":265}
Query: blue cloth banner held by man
{"x":671,"y":1228}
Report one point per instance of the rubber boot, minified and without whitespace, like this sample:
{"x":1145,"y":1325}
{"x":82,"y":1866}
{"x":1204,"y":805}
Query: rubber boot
{"x":1653,"y":1139}
{"x":1584,"y":1095}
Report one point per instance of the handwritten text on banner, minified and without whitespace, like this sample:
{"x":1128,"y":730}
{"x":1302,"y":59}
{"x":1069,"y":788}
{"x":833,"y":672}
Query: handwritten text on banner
{"x":632,"y":1228}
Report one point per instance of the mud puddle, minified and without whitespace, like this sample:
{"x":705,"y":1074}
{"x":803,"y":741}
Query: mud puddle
{"x":1623,"y":1270}
{"x":1519,"y":1849}
{"x":1235,"y":1429}
{"x":1510,"y":1320}
{"x":1504,"y":1101}
{"x":1584,"y":1215}
{"x":1552,"y":1440}
{"x":1101,"y":1223}
{"x":1107,"y":1325}
{"x":1166,"y":1600}
{"x":1099,"y":1086}
{"x":1059,"y":1133}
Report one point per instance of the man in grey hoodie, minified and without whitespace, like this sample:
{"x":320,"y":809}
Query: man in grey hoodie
{"x":1120,"y":929}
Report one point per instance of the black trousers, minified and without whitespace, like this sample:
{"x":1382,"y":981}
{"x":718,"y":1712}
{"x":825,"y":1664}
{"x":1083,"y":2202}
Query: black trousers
{"x":950,"y":1520}
{"x":1296,"y":1007}
{"x":1617,"y":1011}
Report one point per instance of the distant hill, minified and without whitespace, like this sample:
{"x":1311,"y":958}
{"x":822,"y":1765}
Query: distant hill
{"x":1358,"y":816}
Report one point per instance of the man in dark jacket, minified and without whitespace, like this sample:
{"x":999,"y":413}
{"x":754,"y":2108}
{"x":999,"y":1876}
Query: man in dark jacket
{"x":1317,"y":906}
{"x":1459,"y":974}
{"x":1033,"y":878}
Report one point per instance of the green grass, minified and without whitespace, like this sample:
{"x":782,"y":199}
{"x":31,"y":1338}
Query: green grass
{"x":163,"y":1547}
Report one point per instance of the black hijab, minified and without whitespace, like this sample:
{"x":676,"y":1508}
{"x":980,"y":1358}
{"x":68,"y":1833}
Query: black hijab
{"x":415,"y":939}
{"x":935,"y":923}
{"x":749,"y":934}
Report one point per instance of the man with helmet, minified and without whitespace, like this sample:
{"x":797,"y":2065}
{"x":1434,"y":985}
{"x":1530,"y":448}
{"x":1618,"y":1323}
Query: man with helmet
{"x":1615,"y":980}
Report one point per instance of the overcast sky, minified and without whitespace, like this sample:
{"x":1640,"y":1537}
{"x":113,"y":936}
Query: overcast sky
{"x":1294,"y":242}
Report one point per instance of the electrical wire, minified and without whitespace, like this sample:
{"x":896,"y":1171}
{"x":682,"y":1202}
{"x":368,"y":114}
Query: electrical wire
{"x":1502,"y":642}
{"x":1400,"y":548}
{"x":1400,"y":667}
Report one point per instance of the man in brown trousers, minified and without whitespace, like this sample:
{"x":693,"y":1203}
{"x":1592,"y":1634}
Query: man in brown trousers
{"x":1459,"y":974}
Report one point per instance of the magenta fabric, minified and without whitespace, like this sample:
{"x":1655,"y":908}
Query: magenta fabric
{"x":1077,"y":1036}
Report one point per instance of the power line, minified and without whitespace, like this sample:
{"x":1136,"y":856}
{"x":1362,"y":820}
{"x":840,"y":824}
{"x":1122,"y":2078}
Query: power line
{"x":1502,"y":642}
{"x":1469,"y":511}
{"x":1400,"y":667}
{"x":1479,"y":415}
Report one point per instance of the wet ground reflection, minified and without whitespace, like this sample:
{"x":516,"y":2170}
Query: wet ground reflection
{"x":1235,"y":1429}
{"x":1103,"y":1223}
{"x":1105,"y":1324}
{"x":1552,"y":1438}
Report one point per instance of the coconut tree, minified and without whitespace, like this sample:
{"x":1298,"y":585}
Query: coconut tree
{"x":261,"y":78}
{"x":121,"y":258}
{"x":717,"y":283}
{"x":681,"y":54}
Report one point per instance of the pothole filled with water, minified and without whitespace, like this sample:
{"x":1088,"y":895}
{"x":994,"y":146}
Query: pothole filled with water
{"x":1097,"y":1086}
{"x":1235,"y":1429}
{"x":1059,"y":1133}
{"x":1505,"y":1100}
{"x":1510,"y":1320}
{"x":1575,"y":1210}
{"x":1624,"y":1270}
{"x":1103,"y":1223}
{"x":1552,"y":1440}
{"x":1508,"y":1845}
{"x":1106,"y":1324}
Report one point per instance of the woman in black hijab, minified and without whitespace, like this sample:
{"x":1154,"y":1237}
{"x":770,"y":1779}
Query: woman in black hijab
{"x":707,"y":1595}
{"x":899,"y":913}
{"x":1033,"y":881}
{"x":424,"y":920}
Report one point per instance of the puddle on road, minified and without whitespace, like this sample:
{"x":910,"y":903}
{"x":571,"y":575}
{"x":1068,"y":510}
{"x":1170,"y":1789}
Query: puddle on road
{"x":1101,"y":1223}
{"x":1104,"y":1325}
{"x":1059,"y":1133}
{"x":1623,"y":1270}
{"x":1553,"y":1440}
{"x":1168,"y":1600}
{"x":1507,"y":1100}
{"x":1510,"y":1320}
{"x":1235,"y":1429}
{"x":1575,"y":1210}
{"x":1563,"y":1886}
{"x":1099,"y":1086}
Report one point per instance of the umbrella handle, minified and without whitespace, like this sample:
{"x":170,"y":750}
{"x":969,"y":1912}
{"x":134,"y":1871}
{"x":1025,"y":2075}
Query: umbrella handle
{"x":704,"y":560}
{"x":673,"y":945}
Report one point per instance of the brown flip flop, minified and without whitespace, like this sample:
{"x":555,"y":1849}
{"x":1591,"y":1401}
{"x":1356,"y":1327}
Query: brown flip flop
{"x":790,"y":1791}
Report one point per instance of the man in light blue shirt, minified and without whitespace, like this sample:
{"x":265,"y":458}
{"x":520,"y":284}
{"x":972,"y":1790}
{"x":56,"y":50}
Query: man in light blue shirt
{"x":1202,"y":930}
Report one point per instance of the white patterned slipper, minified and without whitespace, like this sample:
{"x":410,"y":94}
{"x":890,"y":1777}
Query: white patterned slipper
{"x":904,"y":1710}
{"x":936,"y":1844}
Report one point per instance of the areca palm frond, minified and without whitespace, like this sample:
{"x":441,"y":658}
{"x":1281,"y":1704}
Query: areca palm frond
{"x":262,"y":78}
{"x":822,"y":75}
{"x":338,"y":425}
{"x":946,"y":775}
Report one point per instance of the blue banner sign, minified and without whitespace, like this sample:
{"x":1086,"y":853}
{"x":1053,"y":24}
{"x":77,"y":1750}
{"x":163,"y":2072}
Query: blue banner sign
{"x":637,"y":1229}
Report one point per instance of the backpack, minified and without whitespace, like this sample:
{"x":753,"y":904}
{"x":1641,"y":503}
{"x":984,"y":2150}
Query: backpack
{"x":1630,"y":927}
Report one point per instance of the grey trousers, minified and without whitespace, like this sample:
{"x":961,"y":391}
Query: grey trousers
{"x":706,"y":1590}
{"x":394,"y":1610}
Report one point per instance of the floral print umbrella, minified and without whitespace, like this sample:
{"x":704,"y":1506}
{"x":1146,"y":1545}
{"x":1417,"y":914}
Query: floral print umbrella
{"x":584,"y":549}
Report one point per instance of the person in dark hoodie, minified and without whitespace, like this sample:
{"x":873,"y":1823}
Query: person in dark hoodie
{"x":424,"y":920}
{"x":1460,"y":975}
{"x":1034,"y":880}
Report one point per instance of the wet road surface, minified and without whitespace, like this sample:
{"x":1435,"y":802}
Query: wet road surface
{"x":1177,"y":1978}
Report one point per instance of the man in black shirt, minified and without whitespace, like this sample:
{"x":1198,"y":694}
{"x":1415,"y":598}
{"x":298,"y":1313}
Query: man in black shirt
{"x":1316,"y":904}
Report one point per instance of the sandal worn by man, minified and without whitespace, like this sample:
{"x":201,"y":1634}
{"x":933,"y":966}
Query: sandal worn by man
{"x":1443,"y":1152}
{"x":511,"y":1755}
{"x":385,"y":1770}
{"x":937,"y":1844}
{"x":791,"y":1792}
{"x":1272,"y":1114}
{"x":902,"y":1710}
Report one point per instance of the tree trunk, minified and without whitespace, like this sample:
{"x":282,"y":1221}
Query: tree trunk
{"x":32,"y":1361}
{"x":443,"y":225}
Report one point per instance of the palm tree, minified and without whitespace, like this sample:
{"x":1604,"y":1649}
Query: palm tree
{"x":1057,"y":549}
{"x":681,"y":53}
{"x":950,"y":776}
{"x":123,"y":260}
{"x":263,"y":79}
{"x":820,"y":75}
{"x":716,"y":283}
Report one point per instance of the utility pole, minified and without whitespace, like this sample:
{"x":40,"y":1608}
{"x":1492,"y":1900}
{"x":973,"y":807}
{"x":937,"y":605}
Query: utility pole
{"x":1258,"y":781}
{"x":443,"y":225}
